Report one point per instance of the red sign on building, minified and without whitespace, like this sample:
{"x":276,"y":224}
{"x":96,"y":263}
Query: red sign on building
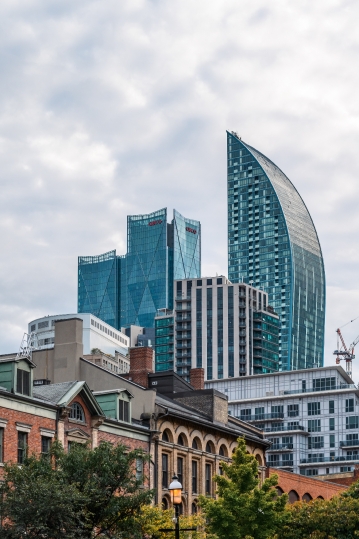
{"x":152,"y":223}
{"x":192,"y":230}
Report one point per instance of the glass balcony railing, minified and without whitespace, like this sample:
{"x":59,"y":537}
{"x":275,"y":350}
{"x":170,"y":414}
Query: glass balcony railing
{"x":264,"y":417}
{"x":281,"y":464}
{"x":316,"y":389}
{"x":316,"y":460}
{"x":349,"y":443}
{"x":281,"y":428}
{"x":282,"y":447}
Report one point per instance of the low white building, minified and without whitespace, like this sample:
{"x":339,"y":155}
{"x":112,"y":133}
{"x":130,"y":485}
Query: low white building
{"x":311,"y":417}
{"x":96,"y":334}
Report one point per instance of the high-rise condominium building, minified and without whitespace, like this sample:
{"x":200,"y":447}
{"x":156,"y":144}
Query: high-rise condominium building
{"x":127,"y":290}
{"x":228,"y":329}
{"x":273,"y":244}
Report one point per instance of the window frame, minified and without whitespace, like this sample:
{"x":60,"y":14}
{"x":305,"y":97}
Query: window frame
{"x":77,"y":410}
{"x":22,"y":446}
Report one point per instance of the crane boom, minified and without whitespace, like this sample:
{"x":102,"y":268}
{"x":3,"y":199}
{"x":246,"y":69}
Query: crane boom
{"x":343,"y":352}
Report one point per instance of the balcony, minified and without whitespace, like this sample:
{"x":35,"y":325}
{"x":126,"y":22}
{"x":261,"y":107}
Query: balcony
{"x":286,"y":428}
{"x":315,"y":390}
{"x":183,"y":298}
{"x":335,"y":459}
{"x":264,"y":417}
{"x":349,"y":443}
{"x":183,"y":336}
{"x":183,"y":318}
{"x":281,"y":447}
{"x":183,"y":354}
{"x":281,"y":464}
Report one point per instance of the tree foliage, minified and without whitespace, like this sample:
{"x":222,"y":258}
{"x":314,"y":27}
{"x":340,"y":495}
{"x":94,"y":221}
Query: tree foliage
{"x":83,"y":493}
{"x":244,"y":508}
{"x":337,"y":518}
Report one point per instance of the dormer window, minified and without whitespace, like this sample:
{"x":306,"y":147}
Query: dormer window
{"x":23,"y":382}
{"x":124,"y":411}
{"x":77,"y":412}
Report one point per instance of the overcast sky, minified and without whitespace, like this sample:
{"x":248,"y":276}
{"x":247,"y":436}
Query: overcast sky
{"x":110,"y":107}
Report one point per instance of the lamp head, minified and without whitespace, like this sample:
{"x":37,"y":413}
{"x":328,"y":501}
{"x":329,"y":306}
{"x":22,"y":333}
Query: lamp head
{"x":175,"y":488}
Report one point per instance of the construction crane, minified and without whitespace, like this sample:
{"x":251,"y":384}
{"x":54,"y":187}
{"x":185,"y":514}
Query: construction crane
{"x":344,"y":352}
{"x":28,"y":344}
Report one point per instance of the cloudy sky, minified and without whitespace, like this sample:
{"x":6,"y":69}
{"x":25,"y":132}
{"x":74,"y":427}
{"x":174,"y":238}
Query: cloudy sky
{"x":109,"y":108}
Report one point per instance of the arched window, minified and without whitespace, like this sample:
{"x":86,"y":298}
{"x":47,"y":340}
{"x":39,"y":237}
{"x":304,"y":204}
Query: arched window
{"x":77,"y":412}
{"x":306,"y":497}
{"x":280,"y":491}
{"x":165,"y":437}
{"x":259,"y":460}
{"x":194,"y":508}
{"x":223,"y":451}
{"x":164,"y":504}
{"x":180,"y":440}
{"x":194,"y":444}
{"x":320,"y":498}
{"x":293,"y":496}
{"x":209,"y":448}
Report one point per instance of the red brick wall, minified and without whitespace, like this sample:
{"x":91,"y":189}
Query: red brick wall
{"x":33,"y":437}
{"x":141,"y":363}
{"x":197,"y":378}
{"x":301,"y":484}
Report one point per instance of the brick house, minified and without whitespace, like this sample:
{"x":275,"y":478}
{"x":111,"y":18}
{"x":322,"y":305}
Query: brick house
{"x":31,"y":417}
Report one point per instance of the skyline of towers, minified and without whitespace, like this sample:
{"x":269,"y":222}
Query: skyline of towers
{"x":272,"y":243}
{"x":127,"y":290}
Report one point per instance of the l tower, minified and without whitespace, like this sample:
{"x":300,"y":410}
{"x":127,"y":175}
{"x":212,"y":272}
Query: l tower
{"x":272,"y":243}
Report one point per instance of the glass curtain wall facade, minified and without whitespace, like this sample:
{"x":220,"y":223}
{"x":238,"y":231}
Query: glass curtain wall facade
{"x":128,"y":290}
{"x":97,"y":287}
{"x":272,"y":243}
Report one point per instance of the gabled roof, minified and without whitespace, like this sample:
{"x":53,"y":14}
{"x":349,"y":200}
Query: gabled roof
{"x":62,"y":394}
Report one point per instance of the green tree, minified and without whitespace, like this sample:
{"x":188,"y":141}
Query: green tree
{"x":244,"y":508}
{"x":152,"y":518}
{"x":337,"y":518}
{"x":84,"y":493}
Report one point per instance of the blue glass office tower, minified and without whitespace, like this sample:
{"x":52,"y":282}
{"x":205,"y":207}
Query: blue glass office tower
{"x":272,"y":243}
{"x":141,"y":282}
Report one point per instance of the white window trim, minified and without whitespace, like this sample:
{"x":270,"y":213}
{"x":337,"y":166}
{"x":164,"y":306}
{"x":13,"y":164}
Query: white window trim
{"x":47,"y":432}
{"x":23,"y":427}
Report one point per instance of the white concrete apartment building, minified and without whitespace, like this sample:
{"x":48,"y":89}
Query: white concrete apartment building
{"x":311,"y":417}
{"x":96,"y":335}
{"x":227,"y":328}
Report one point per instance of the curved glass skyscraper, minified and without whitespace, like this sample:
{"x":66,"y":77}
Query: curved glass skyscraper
{"x":129,"y":289}
{"x":272,"y":243}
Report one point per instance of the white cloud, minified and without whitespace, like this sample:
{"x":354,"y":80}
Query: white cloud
{"x":111,"y":108}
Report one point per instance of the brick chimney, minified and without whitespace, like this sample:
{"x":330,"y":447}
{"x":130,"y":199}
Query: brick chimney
{"x":141,"y":363}
{"x":196,"y":378}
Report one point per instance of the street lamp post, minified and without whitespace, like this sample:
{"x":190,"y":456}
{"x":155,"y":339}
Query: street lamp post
{"x":175,"y":489}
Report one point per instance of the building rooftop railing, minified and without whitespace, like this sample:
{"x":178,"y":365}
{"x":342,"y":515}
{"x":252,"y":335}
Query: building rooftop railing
{"x":281,"y":464}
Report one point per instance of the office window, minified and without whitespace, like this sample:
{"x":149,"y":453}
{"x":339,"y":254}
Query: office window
{"x":293,"y":410}
{"x":164,"y":470}
{"x":315,"y":442}
{"x":331,"y":423}
{"x":23,"y":382}
{"x":314,"y":425}
{"x":45,"y":445}
{"x":124,"y":411}
{"x":208,"y":478}
{"x":77,"y":412}
{"x":352,"y":422}
{"x":259,"y":413}
{"x":332,"y":440}
{"x":331,"y":407}
{"x":21,"y":446}
{"x":277,"y":411}
{"x":311,"y":472}
{"x":349,"y":405}
{"x":352,"y":437}
{"x":194,"y":477}
{"x":322,"y":384}
{"x":313,"y":408}
{"x":180,"y":469}
{"x":2,"y":445}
